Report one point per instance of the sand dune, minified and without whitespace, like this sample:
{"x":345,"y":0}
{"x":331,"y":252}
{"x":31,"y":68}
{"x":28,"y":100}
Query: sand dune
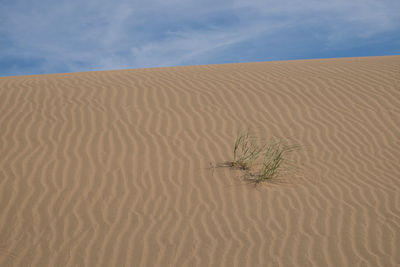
{"x":112,"y":168}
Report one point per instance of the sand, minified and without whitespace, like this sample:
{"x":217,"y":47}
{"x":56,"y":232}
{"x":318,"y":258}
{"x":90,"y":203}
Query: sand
{"x":114,"y":168}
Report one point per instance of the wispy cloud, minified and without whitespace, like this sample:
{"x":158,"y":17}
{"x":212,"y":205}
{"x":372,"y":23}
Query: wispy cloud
{"x":72,"y":35}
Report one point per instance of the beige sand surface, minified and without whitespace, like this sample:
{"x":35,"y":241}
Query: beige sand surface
{"x":112,"y":168}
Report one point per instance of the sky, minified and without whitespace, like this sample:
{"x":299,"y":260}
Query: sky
{"x":58,"y":36}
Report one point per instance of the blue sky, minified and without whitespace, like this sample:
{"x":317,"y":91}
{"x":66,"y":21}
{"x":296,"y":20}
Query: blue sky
{"x":38,"y":37}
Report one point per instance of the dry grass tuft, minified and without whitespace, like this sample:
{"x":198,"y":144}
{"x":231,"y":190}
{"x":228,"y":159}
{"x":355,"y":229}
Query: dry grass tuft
{"x":275,"y":156}
{"x":246,"y":151}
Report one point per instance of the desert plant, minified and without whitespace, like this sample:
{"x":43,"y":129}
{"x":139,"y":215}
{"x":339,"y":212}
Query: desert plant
{"x":245,"y":152}
{"x":274,"y":158}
